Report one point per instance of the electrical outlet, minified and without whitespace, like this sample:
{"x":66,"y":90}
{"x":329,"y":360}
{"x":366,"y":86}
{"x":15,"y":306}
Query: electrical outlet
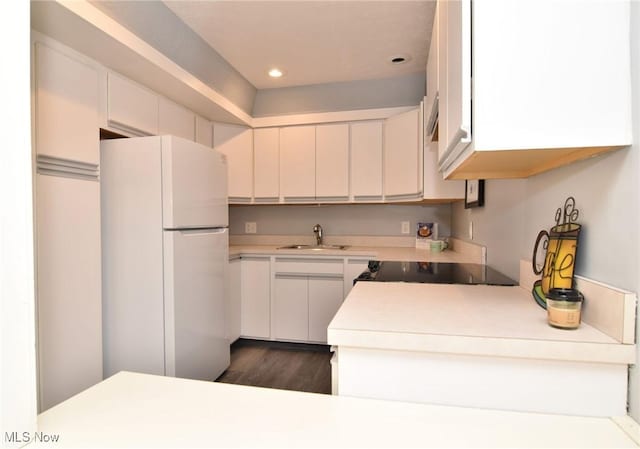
{"x":404,"y":225}
{"x":250,"y":227}
{"x":470,"y":230}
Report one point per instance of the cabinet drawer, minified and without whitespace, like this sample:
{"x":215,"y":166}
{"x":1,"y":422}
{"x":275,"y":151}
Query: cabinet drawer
{"x":311,"y":267}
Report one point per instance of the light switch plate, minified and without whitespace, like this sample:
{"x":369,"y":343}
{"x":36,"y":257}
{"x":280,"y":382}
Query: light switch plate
{"x":405,"y":227}
{"x":250,"y":227}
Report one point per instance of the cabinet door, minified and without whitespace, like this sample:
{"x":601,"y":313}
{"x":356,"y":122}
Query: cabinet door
{"x":443,"y":83}
{"x":435,"y":186}
{"x":366,"y":160}
{"x":325,"y":298}
{"x":204,"y":131}
{"x":291,"y":308}
{"x":236,"y":142}
{"x":298,"y":162}
{"x":456,"y":95}
{"x":196,"y":345}
{"x":175,"y":120}
{"x":130,"y":107}
{"x":69,"y":302}
{"x":255,"y":288}
{"x":431,"y":98}
{"x":401,"y":155}
{"x":352,"y":269}
{"x":332,"y":161}
{"x":67,"y":96}
{"x":266,"y":168}
{"x":233,"y":303}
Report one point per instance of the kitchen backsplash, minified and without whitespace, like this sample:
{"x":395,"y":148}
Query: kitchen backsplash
{"x":369,"y":219}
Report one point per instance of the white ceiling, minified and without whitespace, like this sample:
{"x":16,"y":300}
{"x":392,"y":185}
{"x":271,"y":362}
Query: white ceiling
{"x":314,"y":42}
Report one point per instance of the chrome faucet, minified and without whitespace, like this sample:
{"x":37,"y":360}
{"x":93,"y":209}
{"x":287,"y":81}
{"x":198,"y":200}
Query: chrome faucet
{"x":317,"y":230}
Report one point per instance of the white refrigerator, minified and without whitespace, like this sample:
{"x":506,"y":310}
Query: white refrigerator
{"x":165,"y":257}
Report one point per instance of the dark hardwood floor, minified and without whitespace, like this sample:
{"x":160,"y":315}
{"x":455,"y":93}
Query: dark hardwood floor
{"x":288,"y":366}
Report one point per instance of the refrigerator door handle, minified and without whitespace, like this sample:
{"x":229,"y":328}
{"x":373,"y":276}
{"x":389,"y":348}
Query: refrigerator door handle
{"x":203,"y":231}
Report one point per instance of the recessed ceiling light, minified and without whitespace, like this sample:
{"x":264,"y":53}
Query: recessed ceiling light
{"x":399,"y":59}
{"x":275,"y":73}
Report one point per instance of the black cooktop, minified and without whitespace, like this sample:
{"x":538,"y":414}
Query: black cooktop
{"x":434,"y":273}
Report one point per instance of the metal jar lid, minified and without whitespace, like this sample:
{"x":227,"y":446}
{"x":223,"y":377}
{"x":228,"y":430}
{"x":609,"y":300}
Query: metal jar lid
{"x":565,"y":294}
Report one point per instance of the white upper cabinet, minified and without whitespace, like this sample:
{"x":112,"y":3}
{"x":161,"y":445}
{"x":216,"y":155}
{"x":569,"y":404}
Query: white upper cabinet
{"x":175,"y":120}
{"x":266,"y":160}
{"x":332,"y":161}
{"x":67,"y":96}
{"x":435,"y":186}
{"x":236,"y":142}
{"x":298,"y":162}
{"x":130,"y":107}
{"x":454,"y":31}
{"x":366,"y":160}
{"x":431,"y":99}
{"x":402,"y":156}
{"x":204,"y":131}
{"x":539,"y":99}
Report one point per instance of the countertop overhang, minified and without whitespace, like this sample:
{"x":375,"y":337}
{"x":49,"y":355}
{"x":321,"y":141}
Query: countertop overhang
{"x":464,"y":319}
{"x":141,"y":410}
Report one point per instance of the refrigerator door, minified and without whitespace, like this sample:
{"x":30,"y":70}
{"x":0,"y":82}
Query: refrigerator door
{"x":196,"y":267}
{"x":194,"y":185}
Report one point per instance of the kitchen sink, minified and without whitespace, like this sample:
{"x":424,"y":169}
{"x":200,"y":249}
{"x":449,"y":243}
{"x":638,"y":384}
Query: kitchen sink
{"x":315,"y":247}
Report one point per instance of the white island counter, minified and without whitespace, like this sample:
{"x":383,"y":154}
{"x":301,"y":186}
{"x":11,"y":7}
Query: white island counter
{"x":476,"y":346}
{"x":140,"y":410}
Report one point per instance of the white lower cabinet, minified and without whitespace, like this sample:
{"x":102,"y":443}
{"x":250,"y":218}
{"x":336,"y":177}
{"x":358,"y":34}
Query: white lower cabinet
{"x":307,"y":294}
{"x":288,"y":298}
{"x":291,"y":309}
{"x":234,"y":298}
{"x":255,"y":305}
{"x":352,"y":269}
{"x":303,"y":306}
{"x":325,"y":298}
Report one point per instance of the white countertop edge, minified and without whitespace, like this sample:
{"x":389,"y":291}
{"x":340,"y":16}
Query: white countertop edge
{"x":139,"y":410}
{"x":403,"y":254}
{"x":629,"y":426}
{"x":614,"y":353}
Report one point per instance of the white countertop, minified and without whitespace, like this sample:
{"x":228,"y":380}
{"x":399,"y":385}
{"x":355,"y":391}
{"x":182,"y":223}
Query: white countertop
{"x":366,"y":252}
{"x":464,"y":319}
{"x":139,"y":410}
